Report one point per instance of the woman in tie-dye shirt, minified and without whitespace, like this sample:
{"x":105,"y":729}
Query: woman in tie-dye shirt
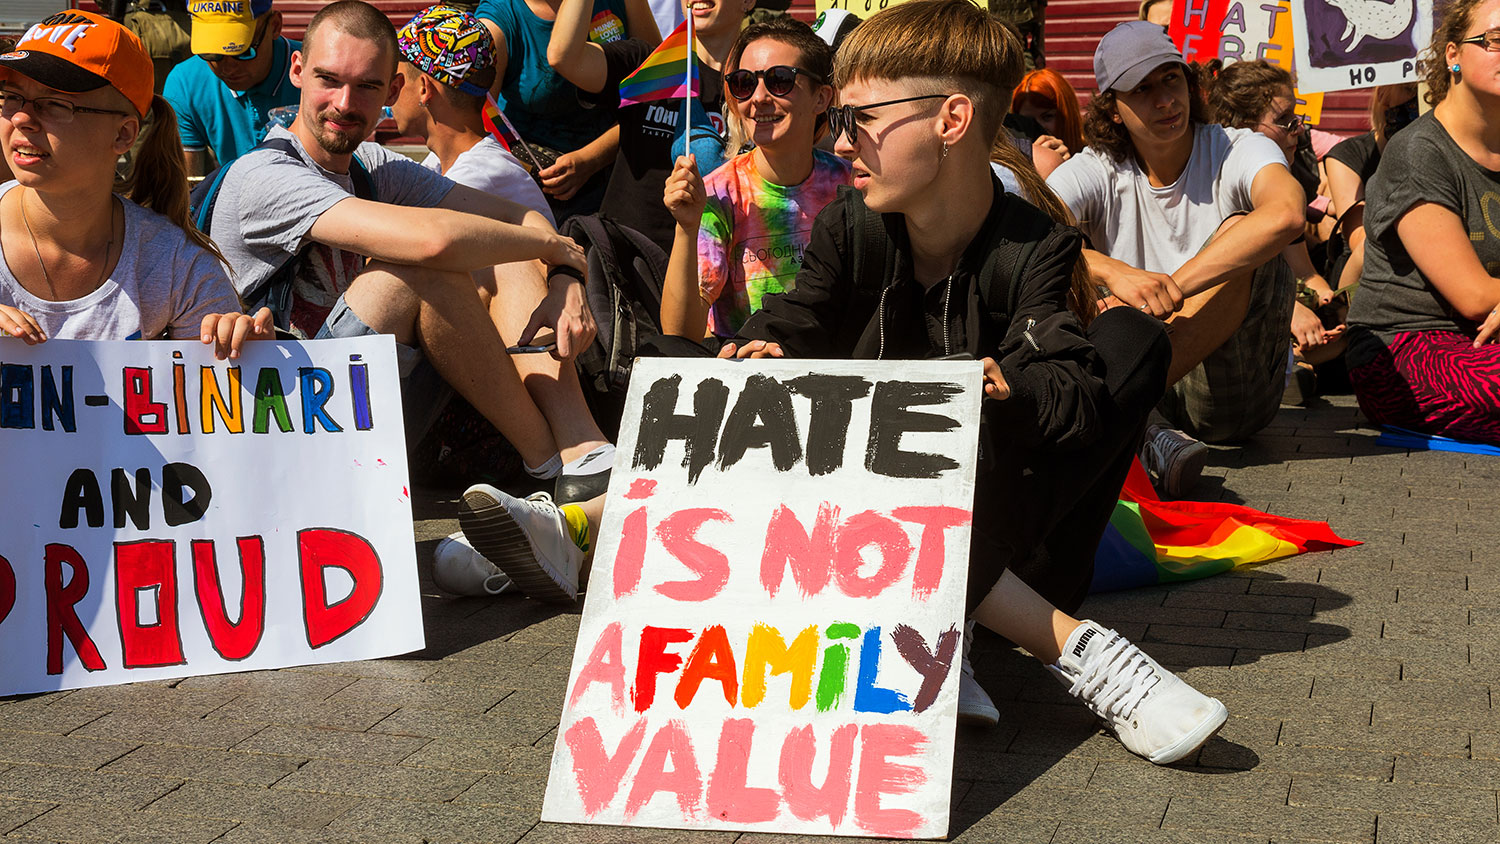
{"x":741,"y":232}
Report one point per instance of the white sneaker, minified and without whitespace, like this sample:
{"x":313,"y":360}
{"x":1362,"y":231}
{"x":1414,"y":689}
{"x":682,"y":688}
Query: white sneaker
{"x":974,"y":705}
{"x":528,"y":539}
{"x":459,"y":569}
{"x":1152,"y":711}
{"x":1175,"y":458}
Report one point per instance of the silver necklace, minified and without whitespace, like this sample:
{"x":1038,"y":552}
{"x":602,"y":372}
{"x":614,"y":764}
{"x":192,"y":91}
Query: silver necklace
{"x":26,"y":221}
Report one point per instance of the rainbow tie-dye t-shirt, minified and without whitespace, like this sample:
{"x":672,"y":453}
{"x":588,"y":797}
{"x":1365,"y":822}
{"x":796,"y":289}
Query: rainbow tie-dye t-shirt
{"x":753,"y":234}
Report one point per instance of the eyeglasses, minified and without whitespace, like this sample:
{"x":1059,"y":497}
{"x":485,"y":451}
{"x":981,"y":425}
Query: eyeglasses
{"x":248,"y":55}
{"x":1489,"y":40}
{"x":1289,"y":124}
{"x":780,"y":80}
{"x":841,"y":118}
{"x":50,"y":110}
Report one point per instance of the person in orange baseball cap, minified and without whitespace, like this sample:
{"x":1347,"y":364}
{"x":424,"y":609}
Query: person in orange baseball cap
{"x":80,"y":261}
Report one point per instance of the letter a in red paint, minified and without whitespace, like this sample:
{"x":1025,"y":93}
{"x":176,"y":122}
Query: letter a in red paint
{"x":319,"y":548}
{"x":7,"y":588}
{"x":147,"y":569}
{"x":61,"y":617}
{"x":877,"y":776}
{"x":232,"y":640}
{"x":597,"y":773}
{"x":729,"y":798}
{"x":711,"y":659}
{"x":606,"y":664}
{"x":142,"y":415}
{"x":652,"y":659}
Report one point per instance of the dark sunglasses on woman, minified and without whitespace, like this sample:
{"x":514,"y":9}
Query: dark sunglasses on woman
{"x":780,"y":80}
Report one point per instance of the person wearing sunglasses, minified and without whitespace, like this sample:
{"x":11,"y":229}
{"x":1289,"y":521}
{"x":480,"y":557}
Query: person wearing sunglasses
{"x":742,"y":230}
{"x":225,"y":92}
{"x":1186,"y":221}
{"x":85,"y":255}
{"x":1423,"y":324}
{"x":928,"y":256}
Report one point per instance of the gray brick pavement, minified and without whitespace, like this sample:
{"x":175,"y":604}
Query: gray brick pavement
{"x":1360,"y":683}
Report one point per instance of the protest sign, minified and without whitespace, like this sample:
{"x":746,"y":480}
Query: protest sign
{"x":1241,"y":30}
{"x":1344,"y":44}
{"x":862,"y":8}
{"x":169,"y":515}
{"x":774,"y":620}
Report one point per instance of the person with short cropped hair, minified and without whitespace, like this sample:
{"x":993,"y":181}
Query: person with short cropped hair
{"x":1186,"y":221}
{"x":80,"y":261}
{"x":924,"y":89}
{"x":224,"y":93}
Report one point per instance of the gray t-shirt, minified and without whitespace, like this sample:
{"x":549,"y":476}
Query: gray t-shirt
{"x":269,"y":201}
{"x":1421,"y":164}
{"x":163,"y":284}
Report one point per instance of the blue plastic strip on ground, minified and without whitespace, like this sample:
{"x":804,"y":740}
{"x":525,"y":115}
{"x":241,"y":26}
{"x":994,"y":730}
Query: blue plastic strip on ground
{"x":1404,"y":438}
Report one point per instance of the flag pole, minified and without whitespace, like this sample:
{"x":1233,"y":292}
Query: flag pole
{"x":687,"y":87}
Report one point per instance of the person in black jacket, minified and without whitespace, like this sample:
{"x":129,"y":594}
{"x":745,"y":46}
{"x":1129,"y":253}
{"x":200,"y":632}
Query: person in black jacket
{"x":928,"y":256}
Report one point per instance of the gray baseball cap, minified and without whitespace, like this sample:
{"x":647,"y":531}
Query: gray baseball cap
{"x":1129,"y":52}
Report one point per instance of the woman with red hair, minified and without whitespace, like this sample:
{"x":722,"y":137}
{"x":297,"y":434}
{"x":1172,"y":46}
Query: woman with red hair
{"x":1046,"y":97}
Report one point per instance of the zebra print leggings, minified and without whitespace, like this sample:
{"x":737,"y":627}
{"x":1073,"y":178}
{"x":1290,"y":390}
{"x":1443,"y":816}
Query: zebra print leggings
{"x":1435,"y":382}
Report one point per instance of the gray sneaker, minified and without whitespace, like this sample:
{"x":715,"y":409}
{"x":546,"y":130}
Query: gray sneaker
{"x":1151,"y":710}
{"x":1174,"y":458}
{"x":974,"y":705}
{"x":528,"y":539}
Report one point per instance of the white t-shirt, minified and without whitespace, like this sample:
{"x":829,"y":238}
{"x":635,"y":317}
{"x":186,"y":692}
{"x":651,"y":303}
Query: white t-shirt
{"x":162,"y":284}
{"x":1160,"y":229}
{"x":489,"y":167}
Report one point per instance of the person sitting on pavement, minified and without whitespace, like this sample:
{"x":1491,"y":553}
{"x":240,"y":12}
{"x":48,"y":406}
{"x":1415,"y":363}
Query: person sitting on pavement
{"x":422,"y":236}
{"x":1046,"y":97}
{"x":447,"y":59}
{"x":80,"y":261}
{"x":924,"y":87}
{"x":1423,"y":323}
{"x":1258,"y":95}
{"x":224,"y":94}
{"x":649,"y":132}
{"x":741,"y":231}
{"x":578,"y":144}
{"x":1186,"y":221}
{"x":1352,"y":163}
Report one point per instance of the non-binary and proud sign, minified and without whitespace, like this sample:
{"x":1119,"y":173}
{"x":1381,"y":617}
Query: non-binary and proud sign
{"x":773,"y":627}
{"x":166,"y":514}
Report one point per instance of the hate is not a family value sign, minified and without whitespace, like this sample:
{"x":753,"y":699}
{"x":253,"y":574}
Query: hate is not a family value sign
{"x":772,"y":633}
{"x":169,"y":515}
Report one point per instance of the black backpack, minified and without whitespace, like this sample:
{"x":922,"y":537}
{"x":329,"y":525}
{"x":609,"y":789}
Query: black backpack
{"x":625,"y":277}
{"x":275,"y":292}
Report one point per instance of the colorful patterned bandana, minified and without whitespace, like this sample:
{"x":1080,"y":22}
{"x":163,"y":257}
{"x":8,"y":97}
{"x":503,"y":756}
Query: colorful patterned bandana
{"x":450,"y":45}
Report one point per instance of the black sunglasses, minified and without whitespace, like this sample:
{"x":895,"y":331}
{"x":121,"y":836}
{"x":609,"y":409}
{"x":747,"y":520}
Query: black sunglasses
{"x":780,"y":80}
{"x":248,"y":55}
{"x":841,"y":118}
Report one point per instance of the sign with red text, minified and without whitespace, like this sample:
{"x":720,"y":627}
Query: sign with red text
{"x":773,"y":627}
{"x":1241,"y":30}
{"x":1344,"y":44}
{"x":169,"y":515}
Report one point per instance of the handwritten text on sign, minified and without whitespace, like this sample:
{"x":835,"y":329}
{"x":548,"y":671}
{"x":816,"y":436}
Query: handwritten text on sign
{"x":771,"y":635}
{"x":1240,"y":30}
{"x":177,"y":515}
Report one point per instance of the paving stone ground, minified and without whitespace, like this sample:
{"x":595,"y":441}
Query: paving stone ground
{"x":1360,"y":685}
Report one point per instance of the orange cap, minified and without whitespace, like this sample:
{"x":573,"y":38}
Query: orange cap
{"x":76,"y":52}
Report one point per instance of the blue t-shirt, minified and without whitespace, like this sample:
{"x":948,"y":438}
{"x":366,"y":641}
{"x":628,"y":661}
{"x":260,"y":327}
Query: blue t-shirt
{"x":228,"y":122}
{"x":544,"y":106}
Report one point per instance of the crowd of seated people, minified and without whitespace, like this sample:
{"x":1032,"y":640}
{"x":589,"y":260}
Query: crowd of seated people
{"x":1188,"y":246}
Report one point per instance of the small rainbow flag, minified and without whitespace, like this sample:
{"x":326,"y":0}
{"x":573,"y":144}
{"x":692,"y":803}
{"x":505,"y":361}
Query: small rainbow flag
{"x":668,"y":73}
{"x":500,"y":127}
{"x":1149,"y":541}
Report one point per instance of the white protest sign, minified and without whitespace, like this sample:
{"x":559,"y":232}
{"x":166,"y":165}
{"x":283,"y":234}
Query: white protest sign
{"x":169,"y":515}
{"x":773,"y":624}
{"x":1344,"y":44}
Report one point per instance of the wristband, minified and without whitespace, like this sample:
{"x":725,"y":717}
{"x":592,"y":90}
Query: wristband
{"x":563,"y":269}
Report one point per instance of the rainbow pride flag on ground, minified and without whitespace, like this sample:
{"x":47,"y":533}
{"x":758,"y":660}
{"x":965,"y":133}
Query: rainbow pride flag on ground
{"x":668,"y":73}
{"x":1150,"y":541}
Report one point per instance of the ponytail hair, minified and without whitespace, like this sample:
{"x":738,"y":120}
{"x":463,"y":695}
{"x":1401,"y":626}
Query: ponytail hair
{"x":158,"y":177}
{"x":1083,"y":297}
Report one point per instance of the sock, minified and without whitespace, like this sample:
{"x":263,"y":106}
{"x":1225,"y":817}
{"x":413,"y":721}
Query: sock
{"x":596,"y":461}
{"x":549,"y":469}
{"x":578,"y":525}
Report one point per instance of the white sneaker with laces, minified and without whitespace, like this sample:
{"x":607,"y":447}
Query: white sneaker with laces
{"x":1152,"y":711}
{"x":459,"y":569}
{"x":974,"y":705}
{"x":528,"y":539}
{"x":1175,"y":458}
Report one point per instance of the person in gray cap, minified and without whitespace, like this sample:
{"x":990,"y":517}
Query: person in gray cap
{"x":1186,"y":219}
